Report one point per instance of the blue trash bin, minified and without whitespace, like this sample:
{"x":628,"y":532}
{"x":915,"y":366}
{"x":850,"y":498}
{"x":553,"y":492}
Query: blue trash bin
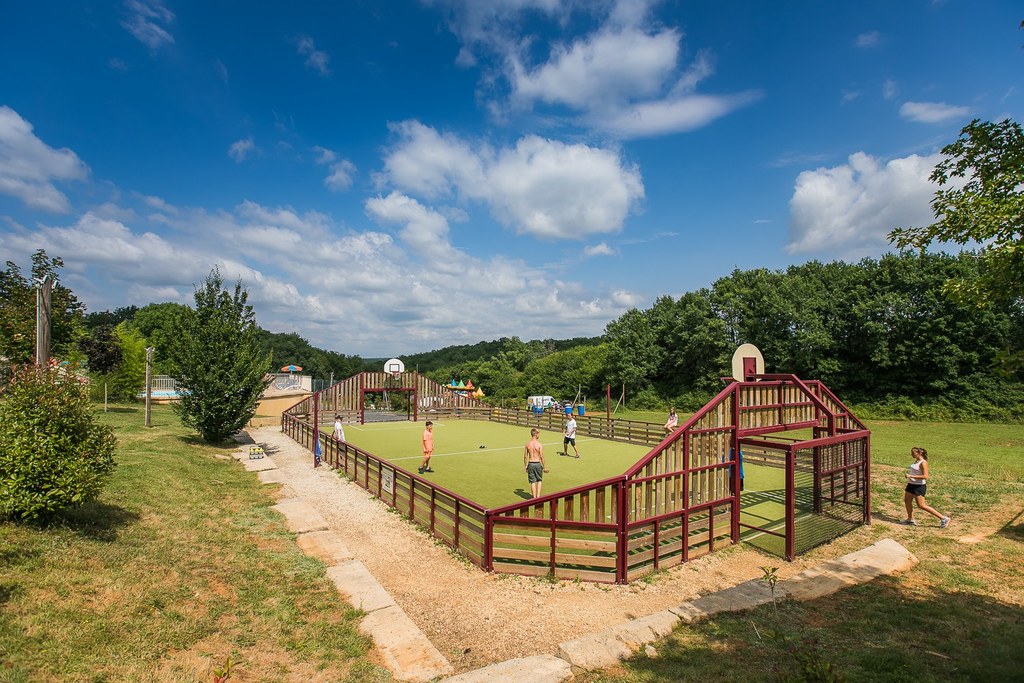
{"x":579,"y":409}
{"x":568,"y":410}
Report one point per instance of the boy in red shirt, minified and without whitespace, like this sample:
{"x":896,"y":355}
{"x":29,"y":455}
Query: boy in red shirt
{"x":428,"y":447}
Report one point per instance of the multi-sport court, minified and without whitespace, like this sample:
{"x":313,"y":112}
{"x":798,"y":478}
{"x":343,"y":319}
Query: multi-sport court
{"x":483,"y":461}
{"x":635,"y":502}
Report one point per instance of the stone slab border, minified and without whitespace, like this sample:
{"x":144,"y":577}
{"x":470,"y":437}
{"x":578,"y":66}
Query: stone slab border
{"x":404,"y":649}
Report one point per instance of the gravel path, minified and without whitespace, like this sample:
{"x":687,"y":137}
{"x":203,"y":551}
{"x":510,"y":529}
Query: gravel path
{"x":475,"y":618}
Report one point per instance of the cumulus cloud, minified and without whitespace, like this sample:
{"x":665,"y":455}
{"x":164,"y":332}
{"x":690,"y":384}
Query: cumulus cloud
{"x":403,"y":284}
{"x":431,"y":164}
{"x":241,"y":149}
{"x":550,"y":189}
{"x":932,"y":112}
{"x":609,"y":66}
{"x":858,"y":203}
{"x":147,"y":20}
{"x":318,"y":60}
{"x":541,"y":187}
{"x":624,"y":78}
{"x":29,"y":167}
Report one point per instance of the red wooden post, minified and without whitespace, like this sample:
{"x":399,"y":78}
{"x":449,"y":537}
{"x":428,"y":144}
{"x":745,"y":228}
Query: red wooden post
{"x":816,"y":486}
{"x":867,"y":479}
{"x":790,"y":551}
{"x":552,"y":513}
{"x":621,"y":569}
{"x":734,"y":532}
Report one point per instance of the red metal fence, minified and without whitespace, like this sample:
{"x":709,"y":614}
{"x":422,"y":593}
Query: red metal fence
{"x":681,"y":500}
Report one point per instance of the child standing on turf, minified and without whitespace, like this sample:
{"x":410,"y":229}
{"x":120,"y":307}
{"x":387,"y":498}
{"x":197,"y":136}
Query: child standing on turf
{"x":917,"y":481}
{"x":533,"y":460}
{"x":339,"y":431}
{"x":570,"y":436}
{"x":428,"y":447}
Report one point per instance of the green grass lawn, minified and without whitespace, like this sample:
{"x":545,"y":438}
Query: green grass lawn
{"x":493,"y":475}
{"x":179,"y":565}
{"x":957,"y":616}
{"x":182,"y":564}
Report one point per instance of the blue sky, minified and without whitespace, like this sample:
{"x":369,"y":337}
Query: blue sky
{"x":391,"y":177}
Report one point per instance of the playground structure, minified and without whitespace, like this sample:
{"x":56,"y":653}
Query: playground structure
{"x":683,"y":499}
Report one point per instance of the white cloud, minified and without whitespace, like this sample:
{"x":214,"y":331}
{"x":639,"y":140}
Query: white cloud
{"x":29,"y":167}
{"x":341,"y":177}
{"x":241,"y":149}
{"x":624,"y":78}
{"x":318,"y":60}
{"x":342,"y":170}
{"x":542,"y":187}
{"x":549,"y":189}
{"x":605,"y":68}
{"x":147,"y":20}
{"x":932,"y":112}
{"x":868,"y":39}
{"x":859,"y":203}
{"x":424,"y":230}
{"x":431,"y":164}
{"x":601,"y":249}
{"x":673,"y":115}
{"x":157,"y":203}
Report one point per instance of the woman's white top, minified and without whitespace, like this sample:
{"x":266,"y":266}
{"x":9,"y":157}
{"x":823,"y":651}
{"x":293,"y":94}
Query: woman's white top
{"x":914,"y":473}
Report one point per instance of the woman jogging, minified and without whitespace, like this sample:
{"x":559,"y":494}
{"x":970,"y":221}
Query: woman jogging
{"x":917,"y":482}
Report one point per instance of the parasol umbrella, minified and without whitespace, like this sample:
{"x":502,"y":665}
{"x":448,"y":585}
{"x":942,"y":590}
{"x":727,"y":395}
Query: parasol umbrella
{"x":291,"y":368}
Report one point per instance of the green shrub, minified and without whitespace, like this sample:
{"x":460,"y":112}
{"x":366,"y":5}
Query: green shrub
{"x":53,"y":453}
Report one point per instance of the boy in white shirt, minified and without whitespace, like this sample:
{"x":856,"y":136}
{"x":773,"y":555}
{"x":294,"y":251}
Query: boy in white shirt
{"x":570,"y":436}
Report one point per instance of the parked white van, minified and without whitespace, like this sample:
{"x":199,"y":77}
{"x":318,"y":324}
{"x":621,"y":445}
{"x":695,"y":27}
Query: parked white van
{"x":542,"y":402}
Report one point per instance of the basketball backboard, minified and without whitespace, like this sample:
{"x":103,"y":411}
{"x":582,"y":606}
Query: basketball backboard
{"x":747,"y":361}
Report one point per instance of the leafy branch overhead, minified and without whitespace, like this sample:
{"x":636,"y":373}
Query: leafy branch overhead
{"x":980,"y":200}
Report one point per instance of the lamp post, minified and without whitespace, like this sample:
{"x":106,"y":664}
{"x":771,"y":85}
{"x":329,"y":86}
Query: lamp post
{"x":149,"y":385}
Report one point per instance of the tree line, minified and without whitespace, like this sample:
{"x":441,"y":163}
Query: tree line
{"x":877,"y":331}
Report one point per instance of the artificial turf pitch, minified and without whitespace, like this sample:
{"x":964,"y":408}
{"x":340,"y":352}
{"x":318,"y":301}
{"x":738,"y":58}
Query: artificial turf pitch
{"x":494,"y":475}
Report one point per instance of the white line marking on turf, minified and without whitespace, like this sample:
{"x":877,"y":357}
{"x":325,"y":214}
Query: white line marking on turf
{"x":476,"y":450}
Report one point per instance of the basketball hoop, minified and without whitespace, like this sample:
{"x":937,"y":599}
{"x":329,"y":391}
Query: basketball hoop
{"x":393,"y":370}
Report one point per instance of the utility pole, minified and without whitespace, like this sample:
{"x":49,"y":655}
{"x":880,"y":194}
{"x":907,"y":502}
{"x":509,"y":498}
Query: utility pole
{"x":44,"y":288}
{"x":149,"y":385}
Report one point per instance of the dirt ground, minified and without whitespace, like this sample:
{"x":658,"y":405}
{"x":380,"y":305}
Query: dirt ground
{"x":477,"y":618}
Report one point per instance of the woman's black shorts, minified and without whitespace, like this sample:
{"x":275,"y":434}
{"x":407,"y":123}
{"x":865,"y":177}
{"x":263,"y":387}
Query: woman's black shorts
{"x":916,"y":489}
